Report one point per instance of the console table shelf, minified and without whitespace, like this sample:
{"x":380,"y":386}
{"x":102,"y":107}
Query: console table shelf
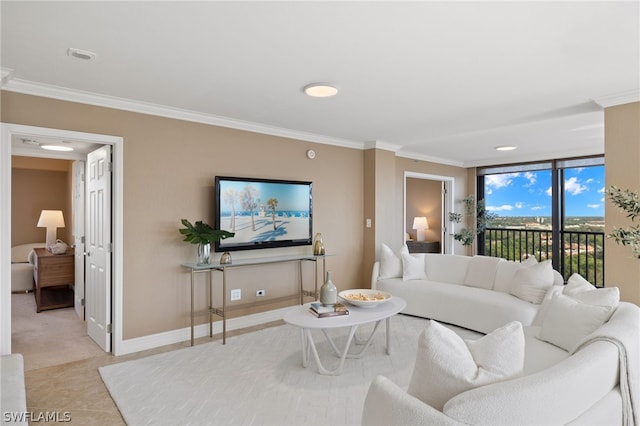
{"x":243,"y":263}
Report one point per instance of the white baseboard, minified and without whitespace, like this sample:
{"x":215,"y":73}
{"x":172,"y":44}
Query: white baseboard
{"x":176,"y":336}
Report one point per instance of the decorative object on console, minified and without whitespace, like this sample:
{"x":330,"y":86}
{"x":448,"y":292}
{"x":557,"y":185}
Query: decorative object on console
{"x":203,"y":235}
{"x":52,"y":220}
{"x":328,"y":292}
{"x":318,"y":245}
{"x":628,"y":202}
{"x":225,"y":259}
{"x":420,"y":224}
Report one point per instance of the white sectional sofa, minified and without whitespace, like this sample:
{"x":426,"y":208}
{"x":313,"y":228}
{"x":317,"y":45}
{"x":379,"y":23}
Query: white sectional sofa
{"x":581,"y":350}
{"x":471,"y":292}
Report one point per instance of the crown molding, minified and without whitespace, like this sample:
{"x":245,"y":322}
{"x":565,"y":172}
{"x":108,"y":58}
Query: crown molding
{"x":438,"y":160}
{"x":55,"y":92}
{"x":618,"y":98}
{"x":381,"y":145}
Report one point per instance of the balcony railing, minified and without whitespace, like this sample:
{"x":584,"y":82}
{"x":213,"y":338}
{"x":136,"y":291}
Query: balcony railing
{"x":581,"y":251}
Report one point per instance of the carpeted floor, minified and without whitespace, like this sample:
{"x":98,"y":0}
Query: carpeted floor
{"x":50,"y":337}
{"x":258,"y":379}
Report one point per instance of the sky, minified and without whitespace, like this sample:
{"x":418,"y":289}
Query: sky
{"x":529,"y":193}
{"x":291,"y":197}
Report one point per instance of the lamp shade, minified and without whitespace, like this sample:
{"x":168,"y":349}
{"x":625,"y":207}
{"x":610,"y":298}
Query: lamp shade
{"x":420,"y":223}
{"x":51,"y":218}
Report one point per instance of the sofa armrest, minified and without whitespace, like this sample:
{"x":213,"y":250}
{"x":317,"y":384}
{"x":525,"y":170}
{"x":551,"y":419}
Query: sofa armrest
{"x":387,"y":404}
{"x":375,"y":273}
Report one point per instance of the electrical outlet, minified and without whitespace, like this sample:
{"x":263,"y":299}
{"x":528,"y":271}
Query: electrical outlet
{"x":236,"y":294}
{"x":261,"y":292}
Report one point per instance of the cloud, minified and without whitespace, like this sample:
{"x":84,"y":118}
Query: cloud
{"x":504,"y":207}
{"x":590,"y":180}
{"x":548,"y":191}
{"x":573,"y":187}
{"x":531,"y":177}
{"x":500,"y":181}
{"x":537,"y":208}
{"x":601,"y":190}
{"x":519,"y":205}
{"x":594,"y":206}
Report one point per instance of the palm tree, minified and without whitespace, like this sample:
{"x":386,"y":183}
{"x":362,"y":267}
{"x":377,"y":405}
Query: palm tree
{"x":273,"y":203}
{"x":250,"y":201}
{"x":231,"y":195}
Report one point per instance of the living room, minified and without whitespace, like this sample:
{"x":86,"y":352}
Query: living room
{"x":169,"y":158}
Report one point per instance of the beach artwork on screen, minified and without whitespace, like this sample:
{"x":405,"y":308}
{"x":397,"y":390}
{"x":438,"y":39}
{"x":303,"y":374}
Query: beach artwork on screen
{"x":263,"y":213}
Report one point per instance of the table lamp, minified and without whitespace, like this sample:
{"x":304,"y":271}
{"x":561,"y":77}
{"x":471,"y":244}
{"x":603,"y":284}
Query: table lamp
{"x":52,"y":220}
{"x":420,"y":224}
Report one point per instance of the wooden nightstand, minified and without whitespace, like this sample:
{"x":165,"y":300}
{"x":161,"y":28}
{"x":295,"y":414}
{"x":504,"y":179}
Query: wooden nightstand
{"x":53,"y":274}
{"x":423,"y":246}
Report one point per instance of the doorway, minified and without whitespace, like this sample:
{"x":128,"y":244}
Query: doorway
{"x":114,"y":306}
{"x":431,"y":197}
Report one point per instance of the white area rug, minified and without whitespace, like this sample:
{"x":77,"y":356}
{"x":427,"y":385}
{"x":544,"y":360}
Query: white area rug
{"x":258,"y":379}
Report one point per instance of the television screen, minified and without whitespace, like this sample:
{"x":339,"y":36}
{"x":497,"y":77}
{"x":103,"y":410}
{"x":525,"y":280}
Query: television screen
{"x":263,"y":213}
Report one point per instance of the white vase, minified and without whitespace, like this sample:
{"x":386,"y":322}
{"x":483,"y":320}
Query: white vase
{"x":328,"y":292}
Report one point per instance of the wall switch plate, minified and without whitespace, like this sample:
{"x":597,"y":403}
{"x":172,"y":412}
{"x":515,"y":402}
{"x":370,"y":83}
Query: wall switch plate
{"x":236,"y":294}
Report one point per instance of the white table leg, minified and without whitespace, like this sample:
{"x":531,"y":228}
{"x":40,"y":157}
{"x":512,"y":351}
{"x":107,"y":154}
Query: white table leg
{"x":388,"y":336}
{"x":321,"y":369}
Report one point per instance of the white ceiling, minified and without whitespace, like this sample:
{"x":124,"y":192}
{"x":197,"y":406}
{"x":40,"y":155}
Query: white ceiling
{"x":443,"y":81}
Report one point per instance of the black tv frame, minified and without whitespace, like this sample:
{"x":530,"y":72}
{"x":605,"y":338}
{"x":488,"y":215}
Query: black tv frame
{"x":294,"y":214}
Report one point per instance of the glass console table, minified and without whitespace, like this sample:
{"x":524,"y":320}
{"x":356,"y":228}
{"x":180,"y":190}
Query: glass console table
{"x":244,"y":263}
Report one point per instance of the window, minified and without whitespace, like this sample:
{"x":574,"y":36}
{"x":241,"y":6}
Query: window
{"x":550,"y":210}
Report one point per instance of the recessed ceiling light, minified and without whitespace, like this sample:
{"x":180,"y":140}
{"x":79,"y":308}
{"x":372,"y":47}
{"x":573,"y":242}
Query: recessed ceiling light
{"x":320,"y":90}
{"x":85,"y":55}
{"x":57,"y":148}
{"x":506,"y":148}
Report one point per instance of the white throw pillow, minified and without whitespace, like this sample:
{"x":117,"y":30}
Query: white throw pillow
{"x":390,"y":262}
{"x":582,"y":290}
{"x":532,"y":283}
{"x":413,"y":267}
{"x":447,"y":365}
{"x":568,"y":321}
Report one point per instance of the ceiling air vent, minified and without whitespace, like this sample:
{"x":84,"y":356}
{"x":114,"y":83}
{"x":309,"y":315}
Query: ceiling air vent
{"x":85,"y":55}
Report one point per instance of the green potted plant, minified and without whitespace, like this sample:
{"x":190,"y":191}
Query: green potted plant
{"x":628,"y":202}
{"x":472,"y":209}
{"x":203,"y":235}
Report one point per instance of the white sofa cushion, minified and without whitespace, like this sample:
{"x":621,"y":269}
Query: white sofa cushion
{"x":413,"y":267}
{"x":506,"y":271}
{"x":390,"y":262}
{"x":447,"y":365}
{"x":481,"y":271}
{"x":582,"y":290}
{"x":532,"y":283}
{"x":446,"y":268}
{"x":568,"y":321}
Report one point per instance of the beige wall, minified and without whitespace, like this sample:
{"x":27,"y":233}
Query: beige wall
{"x":424,"y":198}
{"x":38,"y":184}
{"x":169,"y":166}
{"x":622,"y":157}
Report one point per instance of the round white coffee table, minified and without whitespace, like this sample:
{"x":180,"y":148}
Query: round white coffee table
{"x":300,"y":316}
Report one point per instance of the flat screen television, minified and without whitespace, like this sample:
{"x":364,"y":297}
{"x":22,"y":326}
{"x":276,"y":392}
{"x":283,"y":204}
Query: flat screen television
{"x":263,"y":213}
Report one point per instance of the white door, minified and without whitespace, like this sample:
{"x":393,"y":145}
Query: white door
{"x":98,"y":247}
{"x":78,"y":235}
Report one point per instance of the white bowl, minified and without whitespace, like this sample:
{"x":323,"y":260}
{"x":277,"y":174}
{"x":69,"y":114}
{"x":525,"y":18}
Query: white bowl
{"x":357,"y":297}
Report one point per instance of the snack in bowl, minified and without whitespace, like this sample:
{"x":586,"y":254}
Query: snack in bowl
{"x":364,"y":298}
